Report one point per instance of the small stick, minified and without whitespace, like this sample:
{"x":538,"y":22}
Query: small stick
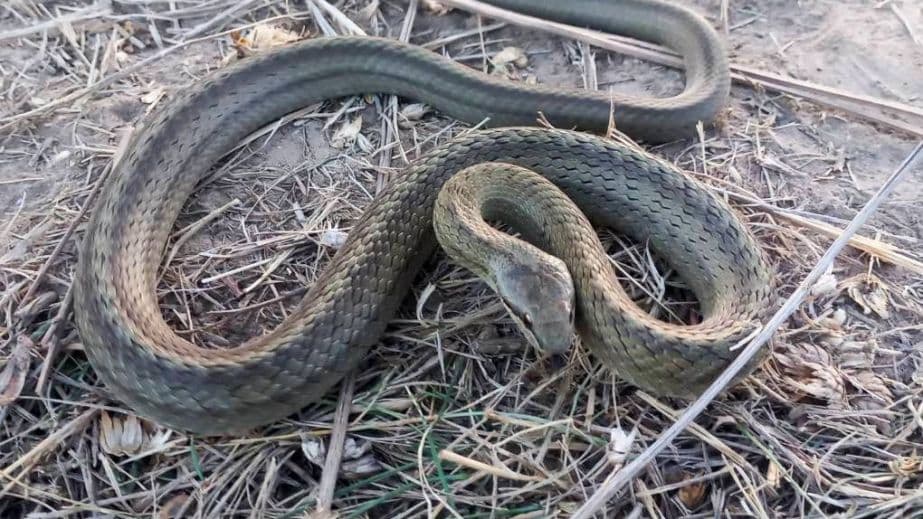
{"x":345,"y":23}
{"x":328,"y":479}
{"x":238,"y":270}
{"x":50,"y":339}
{"x":871,"y":246}
{"x":622,"y":477}
{"x":27,"y":460}
{"x":54,"y":25}
{"x":499,"y":472}
{"x":190,"y":39}
{"x":435,"y":44}
{"x":20,"y":180}
{"x":192,"y":229}
{"x":220,"y":18}
{"x":43,"y":271}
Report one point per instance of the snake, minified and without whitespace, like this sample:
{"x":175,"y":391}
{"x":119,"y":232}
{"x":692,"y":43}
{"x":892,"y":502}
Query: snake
{"x":546,"y":144}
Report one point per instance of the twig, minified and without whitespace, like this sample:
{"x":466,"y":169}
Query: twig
{"x":345,"y":23}
{"x":881,"y":250}
{"x":877,"y":248}
{"x":27,"y":460}
{"x":328,"y":479}
{"x":619,"y":479}
{"x":87,"y":13}
{"x":87,"y":204}
{"x":192,"y":229}
{"x":500,"y":472}
{"x":70,"y":98}
{"x":218,"y":19}
{"x":238,"y":270}
{"x":50,"y":339}
{"x":435,"y":44}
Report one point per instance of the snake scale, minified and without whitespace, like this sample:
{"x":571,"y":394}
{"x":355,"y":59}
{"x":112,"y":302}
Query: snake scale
{"x":165,"y":378}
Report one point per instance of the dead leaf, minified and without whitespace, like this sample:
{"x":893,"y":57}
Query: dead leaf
{"x":809,"y":370}
{"x":873,"y":384}
{"x":347,"y":134}
{"x":723,"y":420}
{"x":826,"y":284}
{"x":839,"y":316}
{"x":825,"y":385}
{"x":153,"y":96}
{"x":120,"y":436}
{"x":413,"y":112}
{"x":800,"y":358}
{"x":856,"y":354}
{"x":692,"y":494}
{"x":569,"y":507}
{"x":907,"y":466}
{"x":13,"y":376}
{"x":360,"y":468}
{"x":773,"y":475}
{"x":313,"y":449}
{"x":869,"y":292}
{"x":259,"y":39}
{"x":126,"y":436}
{"x":620,"y":443}
{"x":358,"y":460}
{"x":171,"y":508}
{"x":434,"y":7}
{"x":264,"y":37}
{"x":510,"y":55}
{"x":333,"y":238}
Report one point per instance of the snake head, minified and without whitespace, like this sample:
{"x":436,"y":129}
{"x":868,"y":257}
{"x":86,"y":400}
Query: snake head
{"x":538,"y":292}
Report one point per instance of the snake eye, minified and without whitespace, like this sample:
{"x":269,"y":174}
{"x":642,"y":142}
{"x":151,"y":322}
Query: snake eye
{"x":527,"y":319}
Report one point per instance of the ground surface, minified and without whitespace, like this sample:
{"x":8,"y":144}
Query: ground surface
{"x":830,"y":425}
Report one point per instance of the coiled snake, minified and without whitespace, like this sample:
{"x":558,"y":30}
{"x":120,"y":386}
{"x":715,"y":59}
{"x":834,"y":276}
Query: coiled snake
{"x":166,"y":378}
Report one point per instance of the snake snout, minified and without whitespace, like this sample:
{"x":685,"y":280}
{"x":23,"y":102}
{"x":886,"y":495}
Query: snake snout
{"x":539,"y":295}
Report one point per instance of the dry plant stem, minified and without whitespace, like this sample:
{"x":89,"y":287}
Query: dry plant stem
{"x":191,"y":230}
{"x":828,"y":96}
{"x":87,"y":13}
{"x":881,"y":250}
{"x":877,"y":248}
{"x":50,"y":340}
{"x":65,"y":100}
{"x":499,"y":472}
{"x":220,"y":18}
{"x":328,"y":478}
{"x":348,"y":25}
{"x":67,"y":234}
{"x":619,"y":479}
{"x":27,"y":460}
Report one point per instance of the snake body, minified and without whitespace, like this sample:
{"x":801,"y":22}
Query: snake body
{"x":164,"y":377}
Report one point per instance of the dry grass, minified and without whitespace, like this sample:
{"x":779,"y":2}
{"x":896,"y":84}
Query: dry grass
{"x":450,"y":415}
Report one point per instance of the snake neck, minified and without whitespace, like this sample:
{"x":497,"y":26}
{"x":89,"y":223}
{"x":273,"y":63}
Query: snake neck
{"x":535,"y":286}
{"x":465,"y":208}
